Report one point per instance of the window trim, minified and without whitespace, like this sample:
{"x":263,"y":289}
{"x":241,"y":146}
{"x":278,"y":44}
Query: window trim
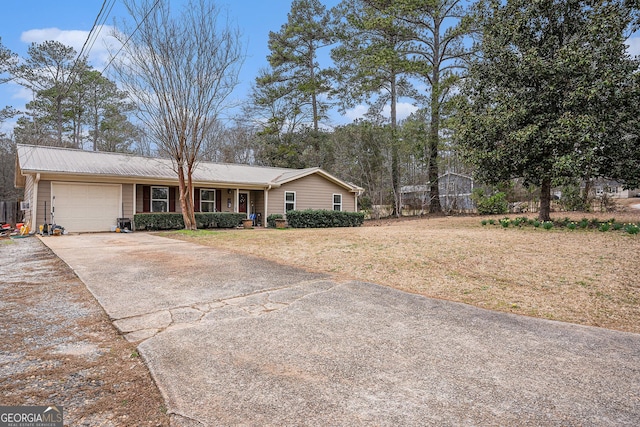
{"x":151,"y":199}
{"x":334,"y":204}
{"x":213,"y":190}
{"x":288,"y":202}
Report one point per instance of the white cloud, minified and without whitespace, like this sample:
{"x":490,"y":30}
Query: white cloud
{"x":633,"y":44}
{"x":99,"y":53}
{"x":403,"y":110}
{"x":20,"y":93}
{"x":356,"y":113}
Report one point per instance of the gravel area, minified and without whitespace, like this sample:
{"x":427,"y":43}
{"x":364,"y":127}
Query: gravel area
{"x":58,"y":347}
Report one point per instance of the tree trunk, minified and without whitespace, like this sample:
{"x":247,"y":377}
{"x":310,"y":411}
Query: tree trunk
{"x":545,"y":200}
{"x":314,"y":100}
{"x":59,"y":120}
{"x":189,"y":199}
{"x":434,"y":130}
{"x":395,"y":170}
{"x":434,"y":192}
{"x":182,"y":187}
{"x":585,"y":197}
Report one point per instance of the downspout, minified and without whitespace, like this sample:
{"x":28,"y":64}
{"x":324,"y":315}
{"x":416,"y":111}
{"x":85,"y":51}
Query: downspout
{"x":33,"y":215}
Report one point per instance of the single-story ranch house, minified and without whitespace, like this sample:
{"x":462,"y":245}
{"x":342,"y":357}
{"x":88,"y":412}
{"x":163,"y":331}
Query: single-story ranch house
{"x":89,"y":190}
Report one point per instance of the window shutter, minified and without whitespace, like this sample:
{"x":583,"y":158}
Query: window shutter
{"x":146,"y":198}
{"x":218,"y":200}
{"x":196,"y":200}
{"x":172,"y":199}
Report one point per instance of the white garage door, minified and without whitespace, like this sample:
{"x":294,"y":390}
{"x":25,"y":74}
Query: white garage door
{"x":86,"y":207}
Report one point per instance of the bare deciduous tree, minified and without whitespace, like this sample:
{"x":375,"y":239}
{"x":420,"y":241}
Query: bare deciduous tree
{"x":180,"y":69}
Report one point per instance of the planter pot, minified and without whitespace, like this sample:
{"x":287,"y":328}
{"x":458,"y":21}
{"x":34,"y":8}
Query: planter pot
{"x":247,"y":223}
{"x":281,"y":223}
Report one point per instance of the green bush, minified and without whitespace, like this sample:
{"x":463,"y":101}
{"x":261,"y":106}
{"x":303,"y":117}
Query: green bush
{"x":487,"y":205}
{"x":158,"y":221}
{"x":324,"y":219}
{"x":571,"y":199}
{"x":271,"y":220}
{"x":547,"y":225}
{"x":174,"y":221}
{"x":224,"y":219}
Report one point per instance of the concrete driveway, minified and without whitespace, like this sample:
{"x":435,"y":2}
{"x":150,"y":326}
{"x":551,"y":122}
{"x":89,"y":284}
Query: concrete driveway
{"x":234,"y":340}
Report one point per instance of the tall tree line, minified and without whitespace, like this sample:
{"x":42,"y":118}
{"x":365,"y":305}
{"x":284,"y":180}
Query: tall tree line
{"x":383,"y":53}
{"x":73,"y":105}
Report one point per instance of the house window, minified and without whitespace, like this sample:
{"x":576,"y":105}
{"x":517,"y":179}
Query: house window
{"x":289,"y":201}
{"x":159,"y":199}
{"x":207,"y":200}
{"x":337,"y":202}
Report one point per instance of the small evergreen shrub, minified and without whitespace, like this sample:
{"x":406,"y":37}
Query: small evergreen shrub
{"x":547,"y":225}
{"x":174,"y":221}
{"x":324,"y":219}
{"x":158,"y":221}
{"x":271,"y":220}
{"x":632,"y":228}
{"x":494,"y":204}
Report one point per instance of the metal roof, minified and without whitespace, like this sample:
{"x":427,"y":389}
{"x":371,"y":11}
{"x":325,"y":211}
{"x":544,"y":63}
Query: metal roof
{"x":54,"y":160}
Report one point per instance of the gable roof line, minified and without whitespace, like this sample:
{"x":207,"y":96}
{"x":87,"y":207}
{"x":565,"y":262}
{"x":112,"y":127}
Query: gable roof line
{"x":310,"y":171}
{"x":64,"y":161}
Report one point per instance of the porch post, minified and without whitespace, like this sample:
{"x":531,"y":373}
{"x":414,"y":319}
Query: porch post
{"x":266,"y":206}
{"x":135,"y":200}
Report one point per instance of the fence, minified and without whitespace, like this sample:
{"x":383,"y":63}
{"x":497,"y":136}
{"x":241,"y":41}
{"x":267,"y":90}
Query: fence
{"x":9,"y":212}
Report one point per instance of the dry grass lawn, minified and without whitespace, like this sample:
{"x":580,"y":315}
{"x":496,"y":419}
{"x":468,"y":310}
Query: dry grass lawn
{"x":586,"y":277}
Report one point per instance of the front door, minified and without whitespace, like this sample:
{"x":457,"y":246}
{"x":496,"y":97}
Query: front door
{"x":243,"y":198}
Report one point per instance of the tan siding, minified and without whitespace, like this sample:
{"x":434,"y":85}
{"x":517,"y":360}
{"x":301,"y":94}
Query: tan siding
{"x":127,"y":200}
{"x":312,"y":192}
{"x":139,"y":200}
{"x":226,"y":196}
{"x":44,"y":197}
{"x":28,"y":196}
{"x":257,"y":197}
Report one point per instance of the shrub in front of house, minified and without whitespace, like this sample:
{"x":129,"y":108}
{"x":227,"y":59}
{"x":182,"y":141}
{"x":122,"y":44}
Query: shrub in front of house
{"x":324,"y":219}
{"x":174,"y":221}
{"x":222,"y":219}
{"x":271,"y":220}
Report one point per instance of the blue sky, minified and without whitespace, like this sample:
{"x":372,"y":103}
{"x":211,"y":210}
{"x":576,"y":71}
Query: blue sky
{"x":69,"y":21}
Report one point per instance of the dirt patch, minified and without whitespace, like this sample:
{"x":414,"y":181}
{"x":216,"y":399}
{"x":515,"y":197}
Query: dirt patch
{"x":57,"y":346}
{"x":585,"y":277}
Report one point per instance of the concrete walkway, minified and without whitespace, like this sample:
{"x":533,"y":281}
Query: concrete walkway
{"x":234,"y":340}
